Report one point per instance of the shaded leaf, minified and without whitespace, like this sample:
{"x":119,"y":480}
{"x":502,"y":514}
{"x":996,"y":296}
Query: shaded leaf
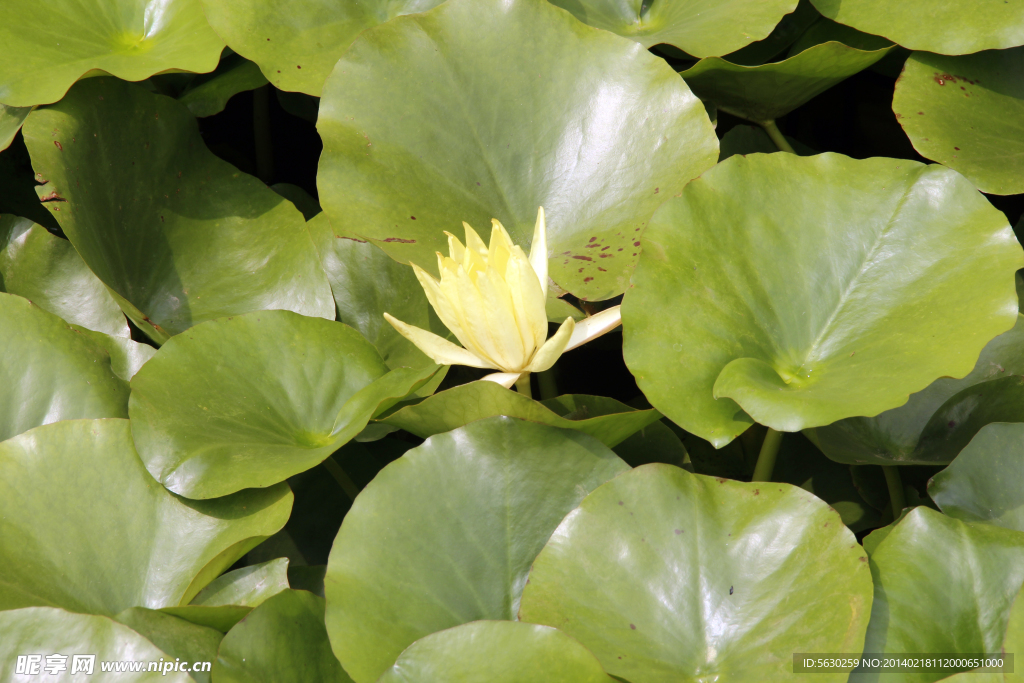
{"x":666,"y":575}
{"x":11,"y":119}
{"x":409,"y":562}
{"x":209,"y":94}
{"x":248,"y":586}
{"x":178,"y":638}
{"x":410,"y":153}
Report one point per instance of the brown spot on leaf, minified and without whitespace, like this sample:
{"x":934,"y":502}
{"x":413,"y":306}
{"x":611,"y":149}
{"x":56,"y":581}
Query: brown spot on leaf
{"x":58,"y":145}
{"x":583,"y":258}
{"x":398,"y":239}
{"x":52,"y":197}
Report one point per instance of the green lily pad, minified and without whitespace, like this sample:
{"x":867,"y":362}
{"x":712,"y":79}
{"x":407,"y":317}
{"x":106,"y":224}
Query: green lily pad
{"x":221,"y":617}
{"x":178,"y":235}
{"x":304,"y":202}
{"x":955,"y":424}
{"x":410,"y":561}
{"x":985,"y":483}
{"x":770,"y":91}
{"x":11,"y":119}
{"x":666,"y":576}
{"x":753,"y":140}
{"x":297,"y":43}
{"x":282,"y":640}
{"x":49,"y":272}
{"x":1013,"y":642}
{"x":249,"y":586}
{"x":698,"y":27}
{"x":45,"y":48}
{"x":785,"y":33}
{"x":802,"y":291}
{"x":497,"y":652}
{"x":411,"y":153}
{"x":895,"y":435}
{"x":50,"y":371}
{"x":603,"y":418}
{"x":942,"y":585}
{"x":249,"y":401}
{"x":367,"y":283}
{"x":961,"y":111}
{"x":654,"y":443}
{"x":952,"y":27}
{"x":178,"y":638}
{"x":209,"y":94}
{"x":63,"y":486}
{"x":50,"y":630}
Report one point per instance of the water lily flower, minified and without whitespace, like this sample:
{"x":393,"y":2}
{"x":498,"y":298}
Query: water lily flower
{"x":492,"y":297}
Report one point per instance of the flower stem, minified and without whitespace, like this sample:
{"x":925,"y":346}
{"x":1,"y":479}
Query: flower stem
{"x":340,"y":476}
{"x":523,"y":385}
{"x":776,"y":135}
{"x":766,"y":458}
{"x":895,"y":484}
{"x":261,"y":132}
{"x":547,"y":385}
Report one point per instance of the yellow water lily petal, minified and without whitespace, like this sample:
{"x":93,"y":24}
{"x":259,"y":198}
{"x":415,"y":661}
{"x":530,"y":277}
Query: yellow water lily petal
{"x":437,"y":349}
{"x":527,"y":301}
{"x":446,"y":310}
{"x":553,"y":348}
{"x":539,"y":251}
{"x":475,"y":257}
{"x":480,"y":337}
{"x":501,"y":320}
{"x":594,"y":326}
{"x":505,"y":379}
{"x":500,"y":247}
{"x":455,"y":248}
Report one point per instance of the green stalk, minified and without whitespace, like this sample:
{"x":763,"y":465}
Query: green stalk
{"x":895,"y":484}
{"x":766,"y":458}
{"x":344,"y":481}
{"x":261,"y":132}
{"x":776,"y":135}
{"x":523,"y":385}
{"x":547,"y":384}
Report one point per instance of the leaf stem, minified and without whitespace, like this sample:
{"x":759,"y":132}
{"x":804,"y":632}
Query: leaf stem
{"x":776,"y":135}
{"x":895,"y":484}
{"x":766,"y":458}
{"x":344,"y":481}
{"x":523,"y":385}
{"x":261,"y":133}
{"x":547,"y":384}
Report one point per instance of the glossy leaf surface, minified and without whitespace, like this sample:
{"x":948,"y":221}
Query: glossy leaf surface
{"x":666,"y":575}
{"x":38,"y":630}
{"x":297,"y":43}
{"x":209,"y":420}
{"x":410,"y":153}
{"x":409,"y":562}
{"x":960,"y":111}
{"x":698,"y":27}
{"x":952,"y":27}
{"x":497,"y":652}
{"x":799,"y":293}
{"x":48,"y":271}
{"x":985,"y":483}
{"x":282,"y":640}
{"x":942,"y":585}
{"x":769,"y":91}
{"x":45,"y":48}
{"x":178,"y":235}
{"x":607,"y":420}
{"x":895,"y":435}
{"x":64,"y":482}
{"x":180,"y":639}
{"x":49,"y":371}
{"x":249,"y":586}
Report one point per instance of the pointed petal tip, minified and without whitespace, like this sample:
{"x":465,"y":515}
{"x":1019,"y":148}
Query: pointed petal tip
{"x":505,"y":379}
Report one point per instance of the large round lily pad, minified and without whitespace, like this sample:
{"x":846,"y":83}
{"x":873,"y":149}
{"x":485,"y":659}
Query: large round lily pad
{"x":699,"y":27}
{"x":283,"y":640}
{"x":985,"y":483}
{"x":88,"y":529}
{"x":446,"y":534}
{"x":49,"y":371}
{"x":942,"y":585}
{"x":962,"y":112}
{"x":952,"y":27}
{"x":797,"y":291}
{"x":606,"y":419}
{"x":49,"y":630}
{"x":297,"y":43}
{"x":180,"y":639}
{"x":497,"y":652}
{"x":46,"y":47}
{"x":769,"y":91}
{"x":895,"y":435}
{"x":410,"y":153}
{"x":668,"y":576}
{"x":49,"y":272}
{"x":178,"y":235}
{"x":251,"y":400}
